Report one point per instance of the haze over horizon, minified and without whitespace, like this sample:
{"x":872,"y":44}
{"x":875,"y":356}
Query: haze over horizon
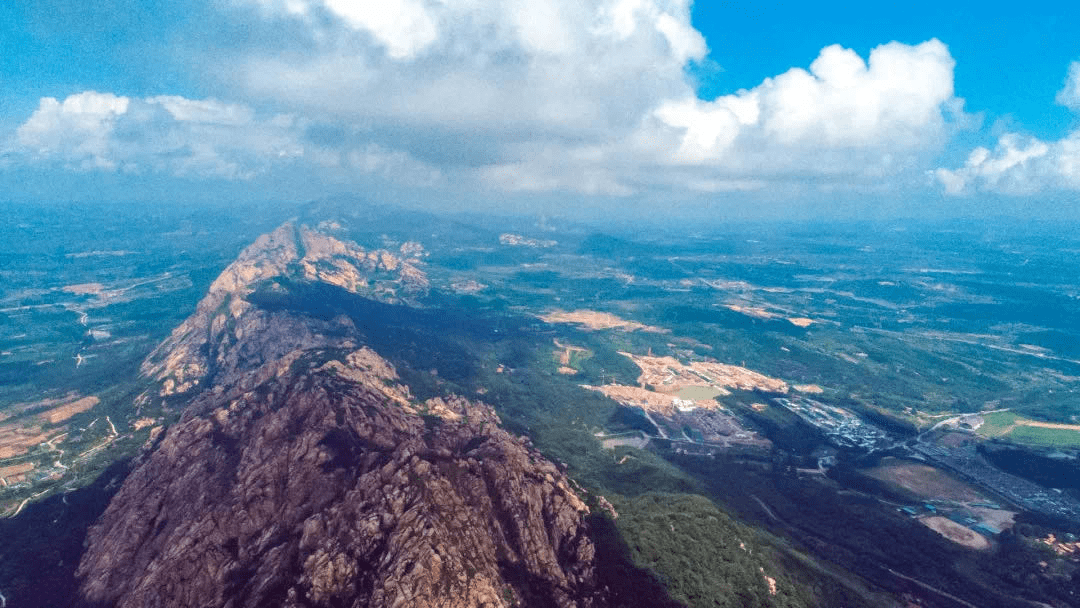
{"x":584,"y":109}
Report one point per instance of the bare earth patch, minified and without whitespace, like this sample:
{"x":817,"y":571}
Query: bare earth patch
{"x":995,"y":518}
{"x":759,"y":312}
{"x":1048,"y":425}
{"x":17,"y":439}
{"x":142,"y":423}
{"x":752,"y":311}
{"x":592,"y":319}
{"x":467,"y":286}
{"x":955,"y":532}
{"x":646,"y":399}
{"x":809,"y":388}
{"x":19,"y":435}
{"x":925,"y":481}
{"x":83,"y":289}
{"x":669,"y":375}
{"x":16,"y":469}
{"x":63,"y":412}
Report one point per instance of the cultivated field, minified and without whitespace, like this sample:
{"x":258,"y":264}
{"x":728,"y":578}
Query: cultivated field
{"x":1014,"y":427}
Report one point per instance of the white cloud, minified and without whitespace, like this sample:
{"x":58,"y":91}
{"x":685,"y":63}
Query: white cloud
{"x":404,"y":27}
{"x":1022,"y":164}
{"x":526,"y":86}
{"x":1018,"y":165}
{"x":499,"y":70}
{"x":686,"y":42}
{"x":79,"y":128}
{"x":590,"y":96}
{"x":1069,"y":96}
{"x":170,"y":134}
{"x":869,"y":113}
{"x":843,"y":123}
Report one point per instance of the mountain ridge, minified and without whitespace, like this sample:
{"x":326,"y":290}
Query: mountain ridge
{"x":303,"y":472}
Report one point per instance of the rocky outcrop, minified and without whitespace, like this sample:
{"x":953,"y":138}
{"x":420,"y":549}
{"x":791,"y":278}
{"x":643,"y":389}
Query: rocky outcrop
{"x":200,"y":348}
{"x":308,"y":475}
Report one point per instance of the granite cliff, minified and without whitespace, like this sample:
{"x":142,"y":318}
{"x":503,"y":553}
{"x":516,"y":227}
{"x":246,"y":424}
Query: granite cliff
{"x":208,"y":344}
{"x":304,"y":473}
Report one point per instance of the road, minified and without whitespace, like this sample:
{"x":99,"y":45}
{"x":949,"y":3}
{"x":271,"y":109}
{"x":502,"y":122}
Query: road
{"x":923,"y":585}
{"x":659,"y":429}
{"x":768,"y":511}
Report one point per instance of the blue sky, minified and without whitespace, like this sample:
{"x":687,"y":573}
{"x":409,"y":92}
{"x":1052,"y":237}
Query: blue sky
{"x":1010,"y":62}
{"x":735,"y":108}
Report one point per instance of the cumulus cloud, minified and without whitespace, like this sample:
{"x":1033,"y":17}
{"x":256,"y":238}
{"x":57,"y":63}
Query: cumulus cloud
{"x":1018,"y":165}
{"x":208,"y":138}
{"x":873,"y":111}
{"x":1021,"y":164}
{"x":79,"y":128}
{"x":844,"y":121}
{"x":176,"y":136}
{"x":501,"y":71}
{"x":539,"y":95}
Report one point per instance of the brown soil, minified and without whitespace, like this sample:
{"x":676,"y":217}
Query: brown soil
{"x":83,"y":289}
{"x":1048,"y":425}
{"x":62,"y":413}
{"x":16,"y":469}
{"x":142,"y":423}
{"x":15,"y":440}
{"x":565,"y":351}
{"x":646,"y":399}
{"x":955,"y":532}
{"x":752,"y":311}
{"x":997,"y":518}
{"x":592,"y":319}
{"x":925,"y":481}
{"x":669,"y":375}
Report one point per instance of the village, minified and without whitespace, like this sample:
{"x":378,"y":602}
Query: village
{"x":40,"y":448}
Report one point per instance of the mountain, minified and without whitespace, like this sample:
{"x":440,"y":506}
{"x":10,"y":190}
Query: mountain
{"x":212,"y":342}
{"x":303,"y":472}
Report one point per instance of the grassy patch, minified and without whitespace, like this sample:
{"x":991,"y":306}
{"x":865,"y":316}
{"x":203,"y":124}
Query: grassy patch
{"x":1036,"y":435}
{"x":997,"y":424}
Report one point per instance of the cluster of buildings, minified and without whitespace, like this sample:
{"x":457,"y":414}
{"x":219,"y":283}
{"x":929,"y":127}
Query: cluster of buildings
{"x":847,"y":430}
{"x":961,"y":516}
{"x":843,"y":428}
{"x":967,"y":462}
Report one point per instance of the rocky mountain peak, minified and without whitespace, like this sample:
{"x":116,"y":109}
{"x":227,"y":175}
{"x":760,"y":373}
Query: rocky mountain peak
{"x":304,"y":472}
{"x":201,"y":345}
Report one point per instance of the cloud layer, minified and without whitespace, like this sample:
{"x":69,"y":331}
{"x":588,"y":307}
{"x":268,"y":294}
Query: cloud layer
{"x":204,"y":138}
{"x":1021,"y":164}
{"x":201,"y":139}
{"x":544,"y":95}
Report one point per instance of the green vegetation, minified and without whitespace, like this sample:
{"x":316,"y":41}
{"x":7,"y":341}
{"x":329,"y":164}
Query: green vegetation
{"x":997,"y":423}
{"x":1011,"y":427}
{"x":704,"y":557}
{"x":890,"y":337}
{"x":1043,"y":436}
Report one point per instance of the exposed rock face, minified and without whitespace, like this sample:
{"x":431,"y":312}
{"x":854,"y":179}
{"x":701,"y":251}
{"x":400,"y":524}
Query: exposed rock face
{"x":308,"y":475}
{"x":195,"y":352}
